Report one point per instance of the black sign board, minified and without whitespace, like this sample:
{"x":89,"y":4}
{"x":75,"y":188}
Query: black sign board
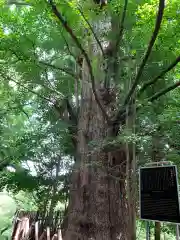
{"x":159,"y":200}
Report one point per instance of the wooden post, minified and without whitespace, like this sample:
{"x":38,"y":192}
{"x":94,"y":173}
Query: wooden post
{"x":26,"y":226}
{"x":36,"y":230}
{"x":48,"y":233}
{"x":157,"y":231}
{"x":59,"y":234}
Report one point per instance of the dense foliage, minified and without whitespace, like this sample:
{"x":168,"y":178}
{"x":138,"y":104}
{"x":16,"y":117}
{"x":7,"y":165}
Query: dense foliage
{"x":40,"y":75}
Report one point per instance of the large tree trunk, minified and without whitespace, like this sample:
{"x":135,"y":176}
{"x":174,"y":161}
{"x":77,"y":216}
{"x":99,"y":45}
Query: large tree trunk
{"x":99,"y":208}
{"x":98,"y":201}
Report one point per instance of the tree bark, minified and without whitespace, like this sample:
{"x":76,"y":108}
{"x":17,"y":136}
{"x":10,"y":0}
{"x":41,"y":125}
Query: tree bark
{"x":98,"y":203}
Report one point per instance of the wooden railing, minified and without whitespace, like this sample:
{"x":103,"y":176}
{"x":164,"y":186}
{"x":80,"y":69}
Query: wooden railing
{"x":29,"y":225}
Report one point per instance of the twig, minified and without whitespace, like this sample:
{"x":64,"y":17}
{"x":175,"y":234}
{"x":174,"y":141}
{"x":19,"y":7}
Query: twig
{"x":25,"y":113}
{"x":148,"y":52}
{"x":75,"y":39}
{"x":151,"y":82}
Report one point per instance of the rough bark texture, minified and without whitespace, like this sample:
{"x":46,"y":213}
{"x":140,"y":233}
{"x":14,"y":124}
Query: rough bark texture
{"x":97,"y":207}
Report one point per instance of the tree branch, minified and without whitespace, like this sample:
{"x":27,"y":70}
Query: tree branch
{"x":164,"y":91}
{"x":73,"y":36}
{"x":122,"y":25}
{"x":151,"y":82}
{"x":58,"y":68}
{"x":5,"y":228}
{"x":21,"y":85}
{"x":25,"y":113}
{"x":26,"y":58}
{"x":148,"y":52}
{"x":119,"y":36}
{"x":92,"y":30}
{"x":122,"y":113}
{"x":67,"y":45}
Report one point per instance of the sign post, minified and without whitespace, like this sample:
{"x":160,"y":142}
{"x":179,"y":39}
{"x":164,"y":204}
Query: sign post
{"x":159,"y":197}
{"x":159,"y":200}
{"x":147,"y":230}
{"x":177,"y":232}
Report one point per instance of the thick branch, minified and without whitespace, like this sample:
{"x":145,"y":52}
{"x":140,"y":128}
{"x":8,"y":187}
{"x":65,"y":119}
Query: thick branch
{"x":164,"y":91}
{"x":122,"y":113}
{"x":75,"y":39}
{"x":149,"y":49}
{"x":92,"y":30}
{"x":151,"y":82}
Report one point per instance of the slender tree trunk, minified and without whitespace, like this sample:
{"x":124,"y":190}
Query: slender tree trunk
{"x":54,"y":199}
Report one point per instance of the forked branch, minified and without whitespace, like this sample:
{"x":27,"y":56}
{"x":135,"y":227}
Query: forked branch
{"x":148,"y":52}
{"x":84,"y":53}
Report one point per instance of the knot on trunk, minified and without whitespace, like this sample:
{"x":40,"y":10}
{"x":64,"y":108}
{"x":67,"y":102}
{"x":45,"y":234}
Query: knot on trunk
{"x":84,"y":223}
{"x":102,"y":194}
{"x":107,"y":95}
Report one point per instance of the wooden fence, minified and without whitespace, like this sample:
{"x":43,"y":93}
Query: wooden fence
{"x":31,"y":226}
